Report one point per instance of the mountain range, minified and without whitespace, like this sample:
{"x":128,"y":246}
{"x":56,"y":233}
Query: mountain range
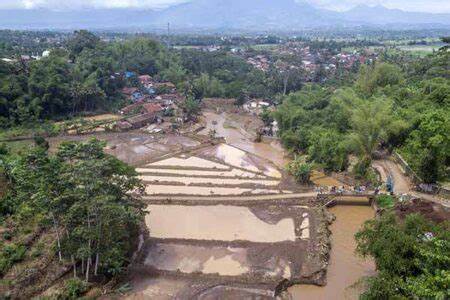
{"x":248,"y":15}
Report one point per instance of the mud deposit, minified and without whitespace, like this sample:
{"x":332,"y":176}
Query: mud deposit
{"x":219,"y":170}
{"x":200,"y":244}
{"x":133,"y":147}
{"x":345,"y":268}
{"x":222,"y":223}
{"x":219,"y":251}
{"x":242,"y":139}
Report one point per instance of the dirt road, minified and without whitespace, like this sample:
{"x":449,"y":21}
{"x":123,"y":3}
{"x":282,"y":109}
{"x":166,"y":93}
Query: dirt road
{"x":231,"y":198}
{"x":387,"y":167}
{"x":402,"y":184}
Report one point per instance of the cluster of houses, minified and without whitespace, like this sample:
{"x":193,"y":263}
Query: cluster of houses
{"x":348,"y":61}
{"x":150,"y":103}
{"x":310,"y":61}
{"x":260,"y":62}
{"x":256,"y":107}
{"x":26,"y":58}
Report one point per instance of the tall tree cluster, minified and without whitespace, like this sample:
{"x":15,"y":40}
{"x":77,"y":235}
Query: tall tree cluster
{"x":403,"y":107}
{"x":87,"y":198}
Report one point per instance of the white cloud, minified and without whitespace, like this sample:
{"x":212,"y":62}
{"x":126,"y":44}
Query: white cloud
{"x":78,"y":4}
{"x":434,"y":6}
{"x":438,"y":6}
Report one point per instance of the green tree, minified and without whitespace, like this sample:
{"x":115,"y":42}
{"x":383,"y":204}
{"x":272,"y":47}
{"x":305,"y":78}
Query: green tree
{"x":82,"y":40}
{"x":427,"y":147}
{"x":327,"y":147}
{"x":191,"y":107}
{"x":300,"y":169}
{"x":369,"y":122}
{"x":412,"y":258}
{"x":206,"y":86}
{"x":382,"y":75}
{"x":49,"y":85}
{"x":89,"y":198}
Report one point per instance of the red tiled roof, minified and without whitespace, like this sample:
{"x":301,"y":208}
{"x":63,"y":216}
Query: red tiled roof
{"x":152,"y":107}
{"x":128,"y":91}
{"x":145,"y":78}
{"x":168,"y":84}
{"x":130,"y":108}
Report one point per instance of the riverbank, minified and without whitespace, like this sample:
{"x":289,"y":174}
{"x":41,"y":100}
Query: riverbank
{"x":344,"y":268}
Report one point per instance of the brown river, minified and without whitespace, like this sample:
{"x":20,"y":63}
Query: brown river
{"x":345,"y":268}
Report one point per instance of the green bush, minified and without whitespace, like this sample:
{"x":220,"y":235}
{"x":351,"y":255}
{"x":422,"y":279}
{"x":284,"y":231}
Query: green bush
{"x":411,"y":256}
{"x":73,"y":289}
{"x":36,"y":251}
{"x":385,"y":201}
{"x":300,"y":169}
{"x":11,"y":254}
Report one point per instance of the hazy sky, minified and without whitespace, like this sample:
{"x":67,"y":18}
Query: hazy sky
{"x":410,"y":5}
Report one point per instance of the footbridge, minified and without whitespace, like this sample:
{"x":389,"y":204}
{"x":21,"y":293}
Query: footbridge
{"x":358,"y":199}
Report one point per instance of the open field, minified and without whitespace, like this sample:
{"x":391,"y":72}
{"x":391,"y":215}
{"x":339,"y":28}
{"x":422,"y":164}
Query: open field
{"x":419,"y":50}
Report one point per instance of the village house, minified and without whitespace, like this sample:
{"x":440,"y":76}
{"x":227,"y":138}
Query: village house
{"x":132,"y":93}
{"x":164,"y":87}
{"x":124,"y":125}
{"x":147,"y":83}
{"x":166,"y":99}
{"x":135,"y":107}
{"x":152,"y":108}
{"x":145,"y":79}
{"x":142,"y":120}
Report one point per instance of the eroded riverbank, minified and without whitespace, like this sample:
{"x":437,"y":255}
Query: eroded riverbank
{"x":344,"y":268}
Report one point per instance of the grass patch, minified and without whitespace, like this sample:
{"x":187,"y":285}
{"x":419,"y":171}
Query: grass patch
{"x":74,"y":288}
{"x":45,"y":129}
{"x":18,"y":146}
{"x":385,"y":201}
{"x":37,"y":250}
{"x":11,"y":254}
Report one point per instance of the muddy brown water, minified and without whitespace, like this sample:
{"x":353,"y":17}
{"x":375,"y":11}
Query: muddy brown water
{"x":163,"y":189}
{"x":191,"y":161}
{"x":223,"y":223}
{"x":209,"y":174}
{"x":189,"y":259}
{"x":203,"y":180}
{"x":345,"y":267}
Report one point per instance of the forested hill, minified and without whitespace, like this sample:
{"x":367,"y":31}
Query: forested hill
{"x":400,"y":106}
{"x":247,"y":15}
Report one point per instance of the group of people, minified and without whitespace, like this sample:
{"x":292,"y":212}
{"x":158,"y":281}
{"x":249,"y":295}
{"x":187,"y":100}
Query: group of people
{"x":341,"y":189}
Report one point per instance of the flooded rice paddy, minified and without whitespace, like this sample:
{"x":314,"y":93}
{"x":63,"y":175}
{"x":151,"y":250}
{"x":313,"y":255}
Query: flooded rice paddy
{"x":189,"y":162}
{"x":241,"y":250}
{"x":320,"y":179}
{"x":223,"y":223}
{"x":225,"y":261}
{"x":200,"y":180}
{"x":200,"y":173}
{"x":238,"y":158}
{"x":157,"y":189}
{"x":238,"y":139}
{"x":219,"y":170}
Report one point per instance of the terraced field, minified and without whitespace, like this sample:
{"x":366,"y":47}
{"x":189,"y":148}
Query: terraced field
{"x":208,"y":240}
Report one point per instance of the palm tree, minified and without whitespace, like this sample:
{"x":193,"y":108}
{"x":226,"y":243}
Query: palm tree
{"x":369,"y":121}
